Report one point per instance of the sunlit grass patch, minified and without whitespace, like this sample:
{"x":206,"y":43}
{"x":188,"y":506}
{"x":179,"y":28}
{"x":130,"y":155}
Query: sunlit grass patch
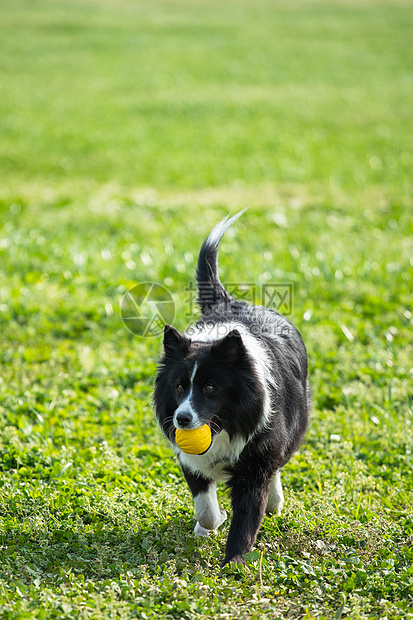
{"x":129,"y":130}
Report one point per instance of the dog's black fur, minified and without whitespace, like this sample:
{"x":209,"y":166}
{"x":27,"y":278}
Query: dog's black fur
{"x":243,"y":370}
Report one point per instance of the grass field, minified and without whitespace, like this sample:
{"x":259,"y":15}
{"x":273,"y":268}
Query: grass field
{"x":128,"y":129}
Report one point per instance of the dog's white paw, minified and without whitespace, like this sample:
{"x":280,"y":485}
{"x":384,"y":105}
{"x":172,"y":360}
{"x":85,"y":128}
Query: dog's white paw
{"x":275,"y":501}
{"x":223,"y":516}
{"x":200,"y":531}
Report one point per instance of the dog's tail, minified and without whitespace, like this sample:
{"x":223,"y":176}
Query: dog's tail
{"x":211,"y":292}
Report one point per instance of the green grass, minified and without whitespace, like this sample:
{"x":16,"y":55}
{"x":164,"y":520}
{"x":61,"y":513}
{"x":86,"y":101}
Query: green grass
{"x":128,"y":129}
{"x":204,"y":94}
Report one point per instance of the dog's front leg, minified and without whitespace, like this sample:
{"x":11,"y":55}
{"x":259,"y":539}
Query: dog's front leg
{"x":208,"y":513}
{"x":249,"y":499}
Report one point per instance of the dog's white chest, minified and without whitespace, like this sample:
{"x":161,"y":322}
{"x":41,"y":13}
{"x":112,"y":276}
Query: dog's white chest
{"x":214,"y":463}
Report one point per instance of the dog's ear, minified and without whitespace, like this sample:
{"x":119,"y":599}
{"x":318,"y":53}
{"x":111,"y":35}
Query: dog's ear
{"x":173,"y":341}
{"x":231,"y":346}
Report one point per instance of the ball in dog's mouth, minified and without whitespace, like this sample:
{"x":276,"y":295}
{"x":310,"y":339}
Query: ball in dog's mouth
{"x":194,"y":441}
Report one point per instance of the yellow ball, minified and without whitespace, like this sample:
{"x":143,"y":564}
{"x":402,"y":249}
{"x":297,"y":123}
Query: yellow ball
{"x":195,"y":441}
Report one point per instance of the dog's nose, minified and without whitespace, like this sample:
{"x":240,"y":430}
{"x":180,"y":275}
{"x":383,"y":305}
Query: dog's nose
{"x":184,"y":418}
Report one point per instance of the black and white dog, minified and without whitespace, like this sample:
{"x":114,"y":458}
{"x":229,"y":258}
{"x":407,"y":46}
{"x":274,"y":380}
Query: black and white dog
{"x":243,"y":371}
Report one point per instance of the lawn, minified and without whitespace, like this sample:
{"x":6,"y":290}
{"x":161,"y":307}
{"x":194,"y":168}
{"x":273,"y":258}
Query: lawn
{"x":128,"y":129}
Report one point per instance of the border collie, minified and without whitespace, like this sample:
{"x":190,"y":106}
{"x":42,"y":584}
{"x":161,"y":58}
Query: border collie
{"x":242,"y":370}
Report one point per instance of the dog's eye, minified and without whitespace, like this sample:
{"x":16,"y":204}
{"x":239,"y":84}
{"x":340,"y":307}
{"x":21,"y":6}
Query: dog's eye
{"x":209,"y":387}
{"x":180,"y":387}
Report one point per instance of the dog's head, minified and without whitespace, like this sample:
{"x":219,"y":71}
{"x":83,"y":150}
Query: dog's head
{"x":210,"y":383}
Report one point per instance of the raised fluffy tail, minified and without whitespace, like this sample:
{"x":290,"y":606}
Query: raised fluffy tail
{"x":211,"y":292}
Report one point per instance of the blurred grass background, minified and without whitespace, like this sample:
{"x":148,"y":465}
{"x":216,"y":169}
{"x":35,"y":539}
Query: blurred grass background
{"x":184,"y":94}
